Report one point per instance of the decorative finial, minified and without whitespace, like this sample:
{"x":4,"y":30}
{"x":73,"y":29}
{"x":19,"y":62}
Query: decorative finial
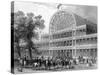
{"x":58,"y":6}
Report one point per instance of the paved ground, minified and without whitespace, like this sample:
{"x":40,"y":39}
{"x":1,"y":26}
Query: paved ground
{"x":76,"y":67}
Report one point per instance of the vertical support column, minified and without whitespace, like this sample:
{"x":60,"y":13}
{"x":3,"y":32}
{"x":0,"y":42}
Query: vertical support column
{"x":75,"y":42}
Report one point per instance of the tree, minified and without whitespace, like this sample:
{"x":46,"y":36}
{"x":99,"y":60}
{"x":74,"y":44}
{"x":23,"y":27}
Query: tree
{"x":24,"y":30}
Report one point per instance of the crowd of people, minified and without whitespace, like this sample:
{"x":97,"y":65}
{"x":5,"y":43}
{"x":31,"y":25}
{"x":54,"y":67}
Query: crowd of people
{"x":42,"y":63}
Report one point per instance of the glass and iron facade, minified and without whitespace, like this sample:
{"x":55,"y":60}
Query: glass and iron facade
{"x":70,"y":36}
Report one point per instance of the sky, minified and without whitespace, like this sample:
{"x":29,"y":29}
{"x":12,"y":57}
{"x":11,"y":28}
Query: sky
{"x":48,"y":9}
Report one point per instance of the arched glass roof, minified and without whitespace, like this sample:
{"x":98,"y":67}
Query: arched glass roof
{"x":61,"y":20}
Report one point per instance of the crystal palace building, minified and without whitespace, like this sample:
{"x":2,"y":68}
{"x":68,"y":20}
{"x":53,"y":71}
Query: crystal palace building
{"x":70,"y":36}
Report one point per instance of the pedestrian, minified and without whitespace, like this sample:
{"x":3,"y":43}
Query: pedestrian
{"x":24,"y":61}
{"x":21,"y":64}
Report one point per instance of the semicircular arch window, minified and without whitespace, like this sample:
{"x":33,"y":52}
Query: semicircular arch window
{"x":62,"y":20}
